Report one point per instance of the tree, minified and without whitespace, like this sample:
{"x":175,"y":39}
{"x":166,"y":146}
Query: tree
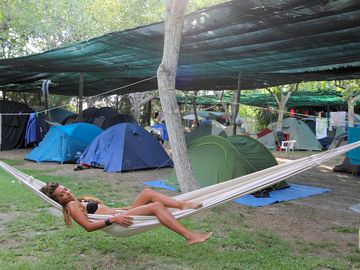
{"x":281,"y":95}
{"x":220,"y":95}
{"x":166,"y":75}
{"x":351,"y":94}
{"x":138,"y":100}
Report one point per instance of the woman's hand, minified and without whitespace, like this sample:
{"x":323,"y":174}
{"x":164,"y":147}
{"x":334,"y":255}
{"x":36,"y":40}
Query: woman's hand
{"x":122,"y":219}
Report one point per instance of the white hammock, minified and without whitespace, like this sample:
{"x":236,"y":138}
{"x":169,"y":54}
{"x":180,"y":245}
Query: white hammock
{"x":208,"y":196}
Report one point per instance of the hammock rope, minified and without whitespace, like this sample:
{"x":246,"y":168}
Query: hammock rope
{"x":210,"y":196}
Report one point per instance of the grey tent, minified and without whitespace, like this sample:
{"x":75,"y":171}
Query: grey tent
{"x":300,"y":131}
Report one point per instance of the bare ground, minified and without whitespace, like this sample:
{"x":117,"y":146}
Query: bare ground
{"x":319,"y":220}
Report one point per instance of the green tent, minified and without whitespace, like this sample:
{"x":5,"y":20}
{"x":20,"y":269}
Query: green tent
{"x":215,"y":159}
{"x":258,"y":156}
{"x":210,"y":128}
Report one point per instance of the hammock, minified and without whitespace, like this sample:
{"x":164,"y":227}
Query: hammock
{"x":209,"y":196}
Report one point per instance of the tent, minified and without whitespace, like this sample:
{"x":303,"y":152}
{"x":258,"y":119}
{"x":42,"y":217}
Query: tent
{"x":88,"y":114}
{"x":102,"y":115}
{"x":216,"y":159}
{"x":13,"y":127}
{"x":125,"y":147}
{"x":118,"y":119}
{"x":257,"y":155}
{"x":208,"y":128}
{"x":106,"y":117}
{"x":347,"y":166}
{"x":267,"y":138}
{"x":64,"y":143}
{"x":61,"y":116}
{"x":299,"y":131}
{"x":326,"y":141}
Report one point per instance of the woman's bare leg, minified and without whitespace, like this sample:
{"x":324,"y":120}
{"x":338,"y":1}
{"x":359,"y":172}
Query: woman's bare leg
{"x":167,"y":219}
{"x":149,"y":196}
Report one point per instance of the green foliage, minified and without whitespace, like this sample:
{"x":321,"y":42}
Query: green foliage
{"x":36,"y":25}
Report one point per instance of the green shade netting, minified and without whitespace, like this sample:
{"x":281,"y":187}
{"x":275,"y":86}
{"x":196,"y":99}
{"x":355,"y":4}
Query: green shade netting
{"x":271,"y":42}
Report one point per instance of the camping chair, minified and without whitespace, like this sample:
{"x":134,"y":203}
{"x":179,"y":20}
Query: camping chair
{"x":288,"y":146}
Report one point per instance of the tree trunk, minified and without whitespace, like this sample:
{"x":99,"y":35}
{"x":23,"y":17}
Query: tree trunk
{"x":282,"y":103}
{"x":136,"y":109}
{"x":138,"y":101}
{"x":351,"y":108}
{"x":193,"y":101}
{"x":90,"y":102}
{"x":351,"y":112}
{"x":280,"y":115}
{"x":166,"y":76}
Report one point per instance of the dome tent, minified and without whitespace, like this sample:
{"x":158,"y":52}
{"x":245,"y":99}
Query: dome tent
{"x":258,"y":156}
{"x":210,"y":128}
{"x":64,"y":143}
{"x":13,"y":127}
{"x":299,"y":131}
{"x":215,"y":159}
{"x":125,"y":147}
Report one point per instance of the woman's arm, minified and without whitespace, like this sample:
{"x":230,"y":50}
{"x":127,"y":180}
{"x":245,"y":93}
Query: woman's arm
{"x":83,"y":221}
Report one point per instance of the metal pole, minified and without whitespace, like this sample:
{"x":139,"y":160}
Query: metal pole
{"x":81,"y":94}
{"x":236,"y":101}
{"x":0,"y":131}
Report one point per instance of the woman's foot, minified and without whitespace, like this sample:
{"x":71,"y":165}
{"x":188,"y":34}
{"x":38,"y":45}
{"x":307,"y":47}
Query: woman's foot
{"x":197,"y":238}
{"x":190,"y":205}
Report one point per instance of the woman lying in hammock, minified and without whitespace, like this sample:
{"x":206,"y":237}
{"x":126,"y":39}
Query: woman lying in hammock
{"x":148,"y":203}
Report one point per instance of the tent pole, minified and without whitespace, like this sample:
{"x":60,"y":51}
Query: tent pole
{"x":236,"y":103}
{"x":81,"y":95}
{"x":0,"y":131}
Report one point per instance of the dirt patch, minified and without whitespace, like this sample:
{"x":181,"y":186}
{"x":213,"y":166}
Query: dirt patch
{"x":315,"y":219}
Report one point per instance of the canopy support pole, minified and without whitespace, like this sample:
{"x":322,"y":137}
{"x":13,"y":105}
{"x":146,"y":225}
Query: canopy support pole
{"x":81,"y":95}
{"x":45,"y":92}
{"x":236,"y":104}
{"x":0,"y":131}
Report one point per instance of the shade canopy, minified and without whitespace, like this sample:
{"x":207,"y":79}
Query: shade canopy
{"x":271,"y":42}
{"x":320,"y":98}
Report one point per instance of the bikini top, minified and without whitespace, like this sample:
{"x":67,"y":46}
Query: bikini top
{"x":91,"y":207}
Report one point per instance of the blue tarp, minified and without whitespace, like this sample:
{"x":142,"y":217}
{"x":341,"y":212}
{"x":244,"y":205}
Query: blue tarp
{"x":125,"y":147}
{"x":293,"y":192}
{"x":354,"y":136}
{"x":33,"y":133}
{"x":163,"y":131}
{"x":64,"y":143}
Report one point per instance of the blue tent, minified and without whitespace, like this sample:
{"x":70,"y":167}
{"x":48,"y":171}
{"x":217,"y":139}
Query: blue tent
{"x":125,"y":147}
{"x":64,"y":143}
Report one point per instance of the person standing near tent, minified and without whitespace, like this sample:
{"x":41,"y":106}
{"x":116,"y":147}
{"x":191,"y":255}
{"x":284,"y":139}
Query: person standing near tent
{"x":148,"y":203}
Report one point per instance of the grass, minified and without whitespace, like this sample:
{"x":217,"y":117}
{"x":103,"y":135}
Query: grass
{"x":345,"y":229}
{"x":33,"y":238}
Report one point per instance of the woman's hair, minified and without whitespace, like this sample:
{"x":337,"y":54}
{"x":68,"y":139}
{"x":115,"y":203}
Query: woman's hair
{"x":49,"y":190}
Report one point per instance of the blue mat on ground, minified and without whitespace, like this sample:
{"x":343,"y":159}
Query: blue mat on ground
{"x":293,"y":192}
{"x":160,"y":184}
